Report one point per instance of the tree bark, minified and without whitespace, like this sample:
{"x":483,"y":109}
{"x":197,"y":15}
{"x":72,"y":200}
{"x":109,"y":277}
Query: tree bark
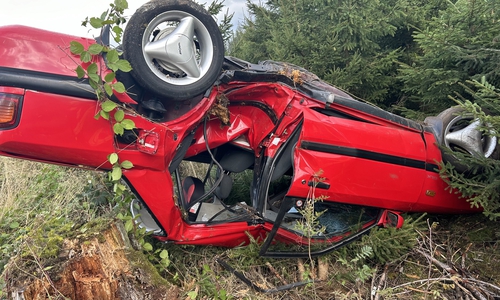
{"x":99,"y":268}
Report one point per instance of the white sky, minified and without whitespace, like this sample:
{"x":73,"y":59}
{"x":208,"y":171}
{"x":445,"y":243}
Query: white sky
{"x":65,"y":16}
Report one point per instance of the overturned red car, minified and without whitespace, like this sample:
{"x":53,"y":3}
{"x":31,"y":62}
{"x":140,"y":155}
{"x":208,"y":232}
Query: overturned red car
{"x":301,"y":143}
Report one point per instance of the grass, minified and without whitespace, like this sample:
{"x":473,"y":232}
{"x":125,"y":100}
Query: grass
{"x":41,"y":205}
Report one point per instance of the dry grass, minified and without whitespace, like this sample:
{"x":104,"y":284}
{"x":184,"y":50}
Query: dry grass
{"x":451,"y":253}
{"x":22,"y":182}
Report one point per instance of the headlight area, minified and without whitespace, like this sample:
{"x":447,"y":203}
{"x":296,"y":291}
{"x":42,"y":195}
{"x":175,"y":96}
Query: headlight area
{"x":10,"y":106}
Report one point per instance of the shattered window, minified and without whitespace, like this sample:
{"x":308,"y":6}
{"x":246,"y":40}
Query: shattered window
{"x":328,"y":219}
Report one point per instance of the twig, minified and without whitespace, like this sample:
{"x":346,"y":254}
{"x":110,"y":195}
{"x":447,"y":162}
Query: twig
{"x":444,"y":279}
{"x":443,"y":266}
{"x":44,"y":273}
{"x":466,"y":291}
{"x":283,"y":281}
{"x":457,"y":277}
{"x":431,"y":250}
{"x":464,"y":255}
{"x":485,"y":283}
{"x":373,"y":290}
{"x":420,"y":291}
{"x":381,"y":282}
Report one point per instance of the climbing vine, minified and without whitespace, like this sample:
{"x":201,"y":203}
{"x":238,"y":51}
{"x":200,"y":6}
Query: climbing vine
{"x":103,"y":79}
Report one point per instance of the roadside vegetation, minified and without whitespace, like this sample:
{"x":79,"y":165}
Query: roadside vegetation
{"x":411,"y":57}
{"x":438,"y":257}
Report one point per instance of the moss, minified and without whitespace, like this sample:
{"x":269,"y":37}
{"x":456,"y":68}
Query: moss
{"x":140,"y":263}
{"x":45,"y":241}
{"x":93,"y":229}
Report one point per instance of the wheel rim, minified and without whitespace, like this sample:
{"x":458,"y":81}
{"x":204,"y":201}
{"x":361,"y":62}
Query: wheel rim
{"x":463,"y":134}
{"x":177,"y":48}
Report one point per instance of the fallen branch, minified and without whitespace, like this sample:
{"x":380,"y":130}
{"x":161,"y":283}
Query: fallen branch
{"x":436,"y":262}
{"x":461,"y":282}
{"x":484,"y":283}
{"x":381,"y":282}
{"x":443,"y":279}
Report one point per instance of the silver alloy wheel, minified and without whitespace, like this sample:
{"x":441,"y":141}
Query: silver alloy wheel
{"x":143,"y":218}
{"x":177,"y":47}
{"x":462,"y":132}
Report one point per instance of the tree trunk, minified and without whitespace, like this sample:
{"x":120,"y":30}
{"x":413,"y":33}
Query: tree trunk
{"x":98,"y":268}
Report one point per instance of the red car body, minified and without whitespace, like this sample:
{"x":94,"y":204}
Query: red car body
{"x":345,"y":151}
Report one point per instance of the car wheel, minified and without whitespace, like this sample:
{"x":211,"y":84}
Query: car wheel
{"x":462,"y":133}
{"x":175,"y":48}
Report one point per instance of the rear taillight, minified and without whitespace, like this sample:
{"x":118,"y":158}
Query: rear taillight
{"x":9,"y":108}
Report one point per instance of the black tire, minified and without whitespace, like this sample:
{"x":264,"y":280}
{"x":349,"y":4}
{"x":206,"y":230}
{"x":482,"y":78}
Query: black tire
{"x":454,"y":120}
{"x":194,"y":57}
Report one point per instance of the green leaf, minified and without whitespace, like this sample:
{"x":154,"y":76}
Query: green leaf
{"x":108,"y":89}
{"x":112,"y":67}
{"x":104,"y":114}
{"x":95,"y":49}
{"x":128,"y":124}
{"x":112,"y":56}
{"x":129,"y":225}
{"x":163,"y":254}
{"x":120,"y":187}
{"x":93,"y":84}
{"x":123,"y":65}
{"x":141,"y":231}
{"x":76,"y":47}
{"x":165,"y":262}
{"x":84,"y":22}
{"x":110,"y":77}
{"x":94,"y":77}
{"x":14,"y":225}
{"x":147,"y":246}
{"x":103,"y":15}
{"x":118,"y":32}
{"x":113,"y":158}
{"x":96,"y":22}
{"x":127,"y":164}
{"x":193,"y":295}
{"x":85,"y":57}
{"x":115,"y":188}
{"x":108,"y":22}
{"x":116,"y":173}
{"x":108,"y":105}
{"x":92,"y":68}
{"x":119,"y":115}
{"x":119,"y":87}
{"x":118,"y":129}
{"x":121,"y":4}
{"x":80,"y":72}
